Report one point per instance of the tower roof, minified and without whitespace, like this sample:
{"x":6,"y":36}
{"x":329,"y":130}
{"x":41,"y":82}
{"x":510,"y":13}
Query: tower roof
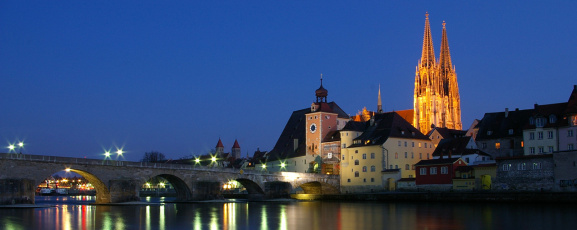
{"x":236,"y":146}
{"x":428,"y":56}
{"x":219,"y":144}
{"x":379,"y":103}
{"x":445,"y":56}
{"x":321,"y":92}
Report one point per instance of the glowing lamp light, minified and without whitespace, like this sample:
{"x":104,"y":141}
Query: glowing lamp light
{"x":282,"y":165}
{"x":107,"y":154}
{"x":11,"y":147}
{"x":197,"y":160}
{"x":21,"y":144}
{"x":263,"y":166}
{"x":213,"y":159}
{"x":119,"y":152}
{"x":67,"y":170}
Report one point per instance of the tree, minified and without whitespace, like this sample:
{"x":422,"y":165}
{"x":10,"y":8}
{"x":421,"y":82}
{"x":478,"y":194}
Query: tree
{"x":153,"y":156}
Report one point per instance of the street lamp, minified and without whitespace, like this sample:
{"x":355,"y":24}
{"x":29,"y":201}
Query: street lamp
{"x":11,"y":147}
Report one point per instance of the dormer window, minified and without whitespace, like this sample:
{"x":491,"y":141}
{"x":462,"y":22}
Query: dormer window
{"x":552,"y":119}
{"x":402,"y":132}
{"x":540,"y":122}
{"x":531,"y":121}
{"x":510,"y":131}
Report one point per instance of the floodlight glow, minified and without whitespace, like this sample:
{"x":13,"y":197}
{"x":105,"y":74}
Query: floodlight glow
{"x":263,"y":166}
{"x":197,"y":160}
{"x":282,"y":165}
{"x":119,"y":152}
{"x":11,"y":147}
{"x":107,"y":153}
{"x":21,"y":144}
{"x":213,"y":159}
{"x":67,"y":170}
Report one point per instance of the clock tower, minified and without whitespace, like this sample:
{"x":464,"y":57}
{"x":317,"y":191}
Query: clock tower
{"x":320,"y":121}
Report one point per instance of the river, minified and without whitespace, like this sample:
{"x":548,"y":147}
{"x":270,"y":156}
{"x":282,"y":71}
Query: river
{"x":75,"y":212}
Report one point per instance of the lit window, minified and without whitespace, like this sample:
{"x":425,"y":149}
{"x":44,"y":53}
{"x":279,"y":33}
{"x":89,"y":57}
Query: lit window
{"x":396,"y":155}
{"x":497,"y":145}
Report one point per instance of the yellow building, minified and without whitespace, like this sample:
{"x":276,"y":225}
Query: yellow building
{"x":378,"y":151}
{"x":436,"y":101}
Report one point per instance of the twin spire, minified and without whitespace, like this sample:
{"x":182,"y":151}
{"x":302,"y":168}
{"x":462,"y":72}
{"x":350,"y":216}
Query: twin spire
{"x":428,"y":55}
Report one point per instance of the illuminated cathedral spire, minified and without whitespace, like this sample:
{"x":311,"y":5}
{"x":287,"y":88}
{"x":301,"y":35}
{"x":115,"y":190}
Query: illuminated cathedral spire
{"x":379,"y":103}
{"x":436,"y":99}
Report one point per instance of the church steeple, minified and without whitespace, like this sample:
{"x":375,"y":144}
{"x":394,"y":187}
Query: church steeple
{"x":379,"y":103}
{"x":428,"y":55}
{"x":445,"y":57}
{"x":321,"y":92}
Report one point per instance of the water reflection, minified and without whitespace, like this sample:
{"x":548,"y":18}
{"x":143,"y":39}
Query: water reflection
{"x":73,"y":213}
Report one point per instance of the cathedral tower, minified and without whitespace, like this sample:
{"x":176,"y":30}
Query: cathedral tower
{"x":436,"y":99}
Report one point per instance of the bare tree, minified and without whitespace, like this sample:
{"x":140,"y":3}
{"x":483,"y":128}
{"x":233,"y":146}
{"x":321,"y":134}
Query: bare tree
{"x":153,"y":156}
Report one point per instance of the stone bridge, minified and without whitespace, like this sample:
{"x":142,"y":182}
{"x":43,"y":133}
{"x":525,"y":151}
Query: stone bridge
{"x":120,"y":181}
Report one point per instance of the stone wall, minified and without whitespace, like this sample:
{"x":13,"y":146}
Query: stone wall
{"x":528,"y":179}
{"x":17,"y":191}
{"x":566,"y":170}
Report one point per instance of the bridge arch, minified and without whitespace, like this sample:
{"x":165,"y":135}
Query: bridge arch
{"x":251,"y":186}
{"x":182,"y":190}
{"x":102,"y":192}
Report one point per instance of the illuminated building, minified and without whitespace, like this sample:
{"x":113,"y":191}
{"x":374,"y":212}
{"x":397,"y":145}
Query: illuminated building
{"x":436,"y":99}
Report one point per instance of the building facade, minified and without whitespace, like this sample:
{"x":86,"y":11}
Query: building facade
{"x":436,"y":101}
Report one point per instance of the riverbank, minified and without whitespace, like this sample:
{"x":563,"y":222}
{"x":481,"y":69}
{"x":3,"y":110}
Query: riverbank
{"x":546,"y":197}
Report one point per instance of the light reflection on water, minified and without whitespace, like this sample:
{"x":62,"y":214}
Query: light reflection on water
{"x":75,"y":213}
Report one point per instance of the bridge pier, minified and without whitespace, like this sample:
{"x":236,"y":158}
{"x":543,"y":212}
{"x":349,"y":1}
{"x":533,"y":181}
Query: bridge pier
{"x":17,"y":191}
{"x":206,"y":190}
{"x":277,"y":189}
{"x":124,"y":190}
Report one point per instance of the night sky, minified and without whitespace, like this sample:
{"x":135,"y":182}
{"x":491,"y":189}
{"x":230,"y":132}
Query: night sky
{"x":79,"y":77}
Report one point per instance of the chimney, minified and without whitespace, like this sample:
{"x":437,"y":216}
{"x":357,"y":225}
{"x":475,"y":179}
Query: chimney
{"x":535,"y":106}
{"x":506,"y":112}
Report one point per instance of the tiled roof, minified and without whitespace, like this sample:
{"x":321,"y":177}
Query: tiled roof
{"x":332,"y":136}
{"x":236,"y":145}
{"x":572,"y":102}
{"x":456,"y":146}
{"x":524,"y":157}
{"x":449,"y":133}
{"x":294,"y":129}
{"x":387,"y":125}
{"x":497,"y":125}
{"x":219,"y":144}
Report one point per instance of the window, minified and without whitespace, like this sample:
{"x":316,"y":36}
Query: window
{"x":372,"y":155}
{"x":372,"y":179}
{"x":428,"y":156}
{"x":433,"y":170}
{"x":421,"y":156}
{"x":343,"y":157}
{"x":570,"y":133}
{"x":344,"y":146}
{"x":399,"y":143}
{"x":497,"y":145}
{"x":407,"y":167}
{"x":373,"y":168}
{"x":413,"y":144}
{"x":510,"y":131}
{"x":537,"y":165}
{"x":541,"y":149}
{"x":444,"y":170}
{"x":506,"y":167}
{"x":573,"y":121}
{"x":405,"y":155}
{"x":552,"y":119}
{"x":570,"y":147}
{"x":532,"y":150}
{"x":419,"y":144}
{"x":412,"y":155}
{"x":364,"y":168}
{"x":531,"y":136}
{"x":364,"y":156}
{"x":356,"y":173}
{"x":396,"y":166}
{"x":467,"y":160}
{"x":423,"y":171}
{"x":356,"y":151}
{"x":484,"y":145}
{"x":413,"y":167}
{"x":550,"y":134}
{"x":551,"y":149}
{"x":540,"y":134}
{"x":356,"y":162}
{"x":405,"y":144}
{"x":521,"y":166}
{"x":540,"y":122}
{"x":390,"y":166}
{"x":396,"y":155}
{"x":349,"y":180}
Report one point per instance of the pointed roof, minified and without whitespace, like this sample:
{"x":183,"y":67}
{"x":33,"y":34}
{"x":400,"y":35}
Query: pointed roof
{"x":572,"y":102}
{"x":445,"y":57}
{"x":236,"y":146}
{"x":321,"y":92}
{"x":379,"y":103}
{"x":219,"y":144}
{"x":428,"y":55}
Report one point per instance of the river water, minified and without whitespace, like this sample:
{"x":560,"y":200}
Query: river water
{"x":75,"y":212}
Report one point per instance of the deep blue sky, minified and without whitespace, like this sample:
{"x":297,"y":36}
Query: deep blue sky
{"x":79,"y":77}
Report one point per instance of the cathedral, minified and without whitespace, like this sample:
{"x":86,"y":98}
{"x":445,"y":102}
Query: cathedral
{"x":436,"y":101}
